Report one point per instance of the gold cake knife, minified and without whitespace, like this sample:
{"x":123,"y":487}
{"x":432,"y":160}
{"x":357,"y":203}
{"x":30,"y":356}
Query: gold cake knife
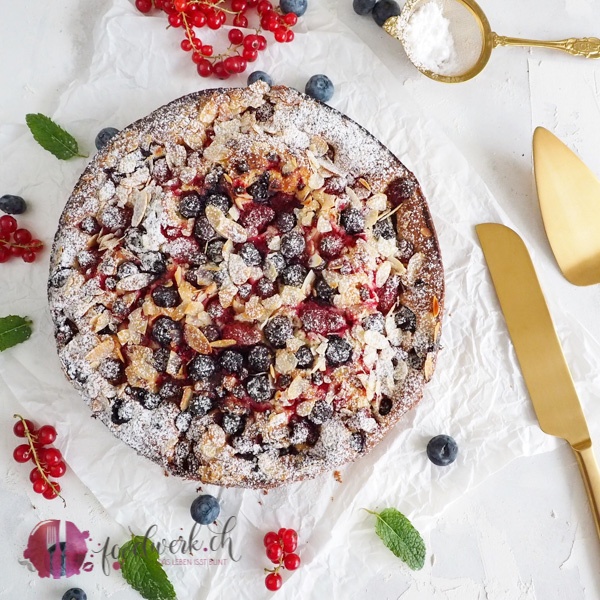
{"x":538,"y":349}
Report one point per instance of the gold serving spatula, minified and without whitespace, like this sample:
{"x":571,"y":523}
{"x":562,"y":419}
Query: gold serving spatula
{"x":569,"y":195}
{"x":538,"y":349}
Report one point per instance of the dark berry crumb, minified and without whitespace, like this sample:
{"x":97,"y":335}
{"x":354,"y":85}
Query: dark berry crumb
{"x":260,"y":358}
{"x":200,"y":405}
{"x":165,"y":297}
{"x":286,"y":222}
{"x":201,"y":367}
{"x":338,"y":352}
{"x":322,"y":411}
{"x":292,"y":244}
{"x":406,"y":320}
{"x":260,"y":388}
{"x":250,"y":254}
{"x":231,"y":361}
{"x":294,"y":275}
{"x":305,"y":357}
{"x":166,"y":332}
{"x":278,"y":330}
{"x":352,"y":220}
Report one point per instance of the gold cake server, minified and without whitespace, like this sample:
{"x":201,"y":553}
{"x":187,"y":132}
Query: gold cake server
{"x":538,"y":349}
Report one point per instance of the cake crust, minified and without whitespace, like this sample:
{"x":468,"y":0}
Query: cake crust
{"x":247,"y":287}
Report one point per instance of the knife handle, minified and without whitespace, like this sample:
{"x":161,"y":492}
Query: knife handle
{"x":591,"y":477}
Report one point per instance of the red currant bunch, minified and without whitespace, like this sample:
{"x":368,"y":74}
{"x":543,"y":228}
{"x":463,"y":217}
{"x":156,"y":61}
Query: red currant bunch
{"x":281,"y":550}
{"x":48,"y":461}
{"x":16,"y":241}
{"x":193,"y":15}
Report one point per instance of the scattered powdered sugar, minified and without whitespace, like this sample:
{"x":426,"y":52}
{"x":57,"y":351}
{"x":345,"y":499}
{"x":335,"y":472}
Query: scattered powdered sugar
{"x":428,"y":40}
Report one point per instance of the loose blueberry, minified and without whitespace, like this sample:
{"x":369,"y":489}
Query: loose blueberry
{"x":265,"y":288}
{"x":442,"y":450}
{"x":292,"y":244}
{"x":112,"y":370}
{"x":12,"y":205}
{"x":384,"y":229}
{"x":278,"y":330}
{"x":259,"y":76}
{"x":363,"y":7}
{"x":260,"y":358}
{"x":166,"y":297}
{"x":205,"y":509}
{"x":374,"y":322}
{"x":298,"y":7}
{"x":305,"y":357}
{"x":200,"y":405}
{"x":201,"y":367}
{"x":231,"y":423}
{"x":249,"y":252}
{"x":166,"y":332}
{"x":286,"y":222}
{"x":104,"y":136}
{"x":322,"y":411}
{"x":259,"y":388}
{"x":319,"y":87}
{"x":338,"y":352}
{"x":294,"y":275}
{"x":406,"y":320}
{"x":74,"y":594}
{"x":190,"y":206}
{"x":323,"y":290}
{"x":352,"y":220}
{"x":214,"y":251}
{"x":259,"y":190}
{"x":384,"y":9}
{"x":231,"y":361}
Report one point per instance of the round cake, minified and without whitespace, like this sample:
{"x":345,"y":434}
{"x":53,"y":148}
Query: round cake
{"x":247,"y":287}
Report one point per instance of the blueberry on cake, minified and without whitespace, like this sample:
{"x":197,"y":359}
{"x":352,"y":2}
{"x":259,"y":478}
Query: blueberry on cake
{"x":247,"y":287}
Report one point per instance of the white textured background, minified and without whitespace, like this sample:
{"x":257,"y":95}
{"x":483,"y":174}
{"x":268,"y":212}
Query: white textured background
{"x":526,"y":532}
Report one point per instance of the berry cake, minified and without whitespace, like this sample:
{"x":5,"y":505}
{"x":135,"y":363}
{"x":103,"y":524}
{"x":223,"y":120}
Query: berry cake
{"x":247,"y":287}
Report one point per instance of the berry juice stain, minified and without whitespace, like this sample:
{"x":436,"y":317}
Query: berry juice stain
{"x":45,"y":553}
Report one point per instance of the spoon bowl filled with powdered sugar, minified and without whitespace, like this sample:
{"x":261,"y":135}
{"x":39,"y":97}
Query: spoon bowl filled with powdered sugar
{"x":452,"y":40}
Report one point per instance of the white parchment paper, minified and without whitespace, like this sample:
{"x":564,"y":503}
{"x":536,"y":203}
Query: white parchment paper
{"x":477,"y":394}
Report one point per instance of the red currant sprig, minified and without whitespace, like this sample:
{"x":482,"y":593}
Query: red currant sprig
{"x":48,"y":461}
{"x":243,"y":47}
{"x":280,"y":548}
{"x":17,"y":242}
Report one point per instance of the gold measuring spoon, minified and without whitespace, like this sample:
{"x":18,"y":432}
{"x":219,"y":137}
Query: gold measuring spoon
{"x":473,"y":39}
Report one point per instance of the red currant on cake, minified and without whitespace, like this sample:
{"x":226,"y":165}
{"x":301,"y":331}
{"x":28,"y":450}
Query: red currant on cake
{"x":246,"y":287}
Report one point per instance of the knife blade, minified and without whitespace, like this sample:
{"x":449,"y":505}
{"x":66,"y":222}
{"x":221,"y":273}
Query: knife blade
{"x":569,"y":196}
{"x":538,"y":349}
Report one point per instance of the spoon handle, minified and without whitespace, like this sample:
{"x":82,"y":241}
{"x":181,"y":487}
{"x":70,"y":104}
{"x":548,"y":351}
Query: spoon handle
{"x":591,"y":478}
{"x":587,"y":47}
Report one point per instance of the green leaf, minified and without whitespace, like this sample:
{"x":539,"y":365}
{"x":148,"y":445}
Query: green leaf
{"x":399,"y":535}
{"x":142,"y":570}
{"x":52,"y":137}
{"x":13,"y":331}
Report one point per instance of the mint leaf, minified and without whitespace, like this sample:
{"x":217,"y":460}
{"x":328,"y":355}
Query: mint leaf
{"x":399,"y":535}
{"x":52,"y":137}
{"x":13,"y":331}
{"x":142,"y":571}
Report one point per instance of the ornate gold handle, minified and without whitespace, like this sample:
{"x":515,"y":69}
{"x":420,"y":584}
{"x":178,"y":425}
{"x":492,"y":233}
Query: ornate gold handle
{"x":591,"y":478}
{"x":588,"y":47}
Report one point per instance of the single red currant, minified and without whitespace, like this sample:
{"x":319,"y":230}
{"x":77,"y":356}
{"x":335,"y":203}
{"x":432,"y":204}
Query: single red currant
{"x":238,"y":5}
{"x":36,"y":245}
{"x":35,"y":475}
{"x":220,"y":71}
{"x":291,"y":18}
{"x":28,"y":257}
{"x":242,"y":65}
{"x":207,"y":50}
{"x":236,"y":36}
{"x":214,"y":22}
{"x":270,"y":538}
{"x":274,"y":552}
{"x":222,"y":16}
{"x":240,"y":21}
{"x":16,"y":250}
{"x":262,"y":42}
{"x":252,"y":3}
{"x":8,"y":224}
{"x":4,"y":254}
{"x":19,"y":428}
{"x":197,"y":57}
{"x":289,"y":540}
{"x":51,"y":456}
{"x":186,"y":45}
{"x":281,"y":34}
{"x":40,"y":486}
{"x":22,"y":453}
{"x":46,"y":435}
{"x":281,"y":532}
{"x":249,"y":54}
{"x":144,"y":6}
{"x":291,"y":562}
{"x":180,"y":5}
{"x":251,"y":41}
{"x":290,"y":36}
{"x":52,"y":491}
{"x":175,"y":20}
{"x":273,"y":581}
{"x":199,"y":19}
{"x":57,"y":470}
{"x":264,"y":6}
{"x":205,"y":69}
{"x":231,"y":64}
{"x":22,"y":236}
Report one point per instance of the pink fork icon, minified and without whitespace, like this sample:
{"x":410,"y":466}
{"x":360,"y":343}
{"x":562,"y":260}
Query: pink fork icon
{"x":51,"y":545}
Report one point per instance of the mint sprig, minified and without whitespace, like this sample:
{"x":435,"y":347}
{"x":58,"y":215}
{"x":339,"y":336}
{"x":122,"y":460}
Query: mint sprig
{"x":13,"y":331}
{"x":142,"y":570}
{"x":399,"y":535}
{"x":52,"y":137}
